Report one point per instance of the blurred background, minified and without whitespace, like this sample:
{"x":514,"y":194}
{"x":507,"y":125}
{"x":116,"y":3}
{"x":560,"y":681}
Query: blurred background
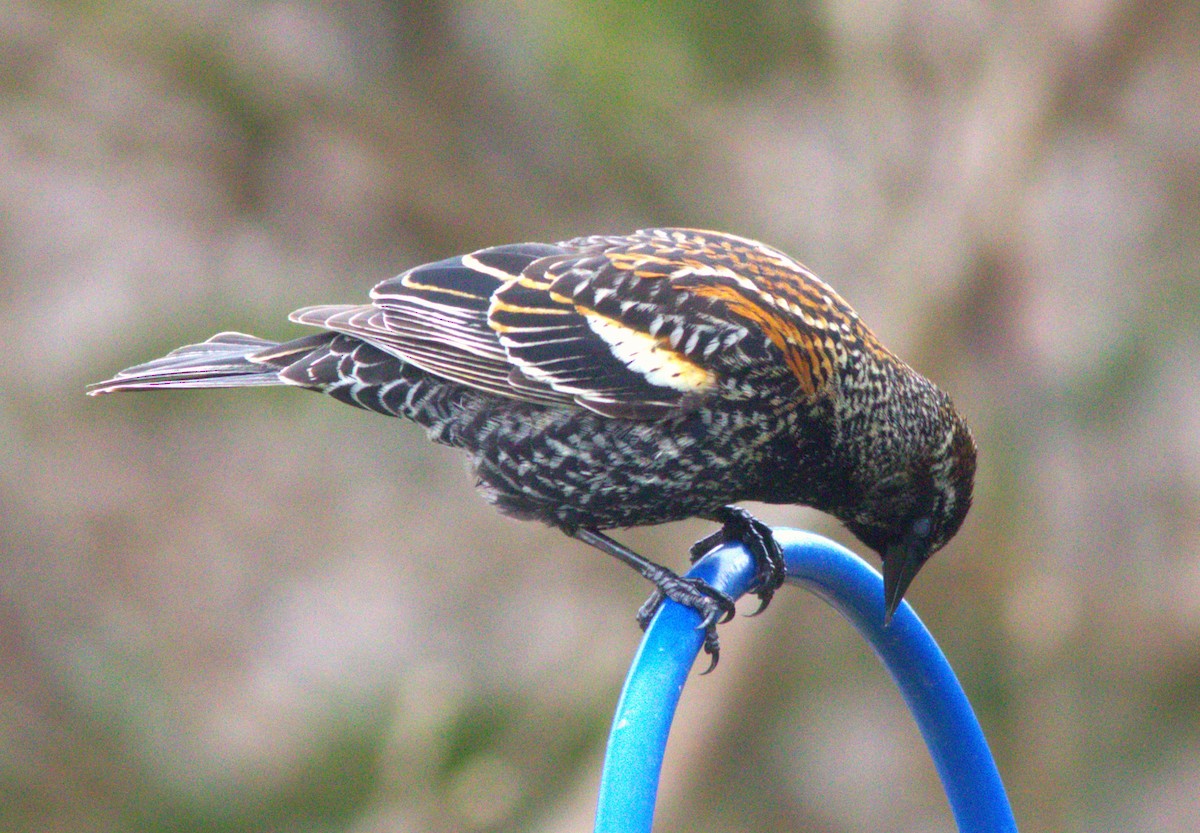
{"x":264,"y":611}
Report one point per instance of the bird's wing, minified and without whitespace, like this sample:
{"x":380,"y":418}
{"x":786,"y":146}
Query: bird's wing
{"x":640,"y":325}
{"x":435,"y":317}
{"x":594,"y":327}
{"x":635,"y":326}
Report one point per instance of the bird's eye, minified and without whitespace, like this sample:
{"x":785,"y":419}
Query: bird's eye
{"x":922,"y":527}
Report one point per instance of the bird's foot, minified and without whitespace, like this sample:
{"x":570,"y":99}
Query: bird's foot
{"x":715,"y":608}
{"x":739,"y":526}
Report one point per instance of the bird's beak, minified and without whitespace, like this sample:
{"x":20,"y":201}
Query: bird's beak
{"x":901,"y":563}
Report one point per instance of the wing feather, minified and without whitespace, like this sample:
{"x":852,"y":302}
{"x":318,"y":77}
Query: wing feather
{"x":734,"y":305}
{"x":636,"y":326}
{"x":592,"y":325}
{"x":435,"y":317}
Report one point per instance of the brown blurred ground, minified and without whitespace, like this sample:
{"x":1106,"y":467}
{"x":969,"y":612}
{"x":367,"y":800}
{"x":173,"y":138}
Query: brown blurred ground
{"x":259,"y":610}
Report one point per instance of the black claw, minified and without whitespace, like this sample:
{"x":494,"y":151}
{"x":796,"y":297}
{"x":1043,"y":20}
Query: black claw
{"x":715,"y":608}
{"x":716,"y":615}
{"x":649,"y":607}
{"x":738,"y":525}
{"x":712,"y":647}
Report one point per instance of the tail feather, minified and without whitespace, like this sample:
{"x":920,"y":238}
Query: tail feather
{"x":227,"y":360}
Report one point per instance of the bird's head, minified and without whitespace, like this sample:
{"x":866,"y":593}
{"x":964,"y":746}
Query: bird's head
{"x":910,"y":513}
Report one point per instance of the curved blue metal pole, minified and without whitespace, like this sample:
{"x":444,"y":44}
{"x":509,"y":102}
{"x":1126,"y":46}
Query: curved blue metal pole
{"x":638,"y":740}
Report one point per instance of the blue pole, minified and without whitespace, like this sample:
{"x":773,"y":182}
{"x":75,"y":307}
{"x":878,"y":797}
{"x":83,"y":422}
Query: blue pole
{"x":637,"y":742}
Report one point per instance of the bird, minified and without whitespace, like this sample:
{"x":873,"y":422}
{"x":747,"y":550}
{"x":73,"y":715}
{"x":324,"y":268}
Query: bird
{"x":615,"y":381}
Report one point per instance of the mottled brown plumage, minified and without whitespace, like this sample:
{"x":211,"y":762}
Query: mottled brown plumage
{"x":609,"y":382}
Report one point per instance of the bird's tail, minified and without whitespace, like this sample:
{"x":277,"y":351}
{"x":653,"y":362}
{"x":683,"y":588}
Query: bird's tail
{"x":227,"y":360}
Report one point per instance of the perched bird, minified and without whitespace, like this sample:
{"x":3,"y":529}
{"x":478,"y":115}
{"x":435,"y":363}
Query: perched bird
{"x":616,"y":381}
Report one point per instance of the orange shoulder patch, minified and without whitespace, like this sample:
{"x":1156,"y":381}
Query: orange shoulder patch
{"x":807,"y":352}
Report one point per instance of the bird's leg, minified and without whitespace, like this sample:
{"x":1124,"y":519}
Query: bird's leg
{"x":714,"y":607}
{"x":738,"y":525}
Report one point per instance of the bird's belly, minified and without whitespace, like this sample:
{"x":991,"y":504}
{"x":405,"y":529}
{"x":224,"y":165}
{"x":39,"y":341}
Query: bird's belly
{"x":575,"y":468}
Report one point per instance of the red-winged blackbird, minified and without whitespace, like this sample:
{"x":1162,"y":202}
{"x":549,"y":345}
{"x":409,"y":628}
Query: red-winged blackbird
{"x":608,"y":382}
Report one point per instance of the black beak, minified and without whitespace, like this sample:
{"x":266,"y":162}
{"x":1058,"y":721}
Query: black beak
{"x":901,"y":563}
